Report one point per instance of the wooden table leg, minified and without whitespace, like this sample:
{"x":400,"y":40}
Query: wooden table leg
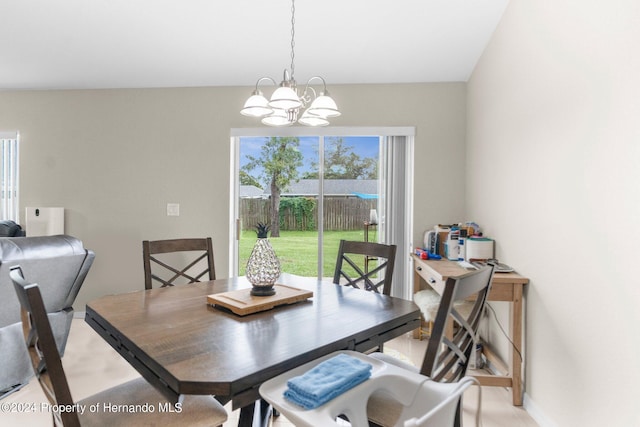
{"x":516,"y":352}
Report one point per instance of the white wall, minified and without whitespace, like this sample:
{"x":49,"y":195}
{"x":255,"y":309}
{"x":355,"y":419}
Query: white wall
{"x":553,"y":159}
{"x":115,"y":158}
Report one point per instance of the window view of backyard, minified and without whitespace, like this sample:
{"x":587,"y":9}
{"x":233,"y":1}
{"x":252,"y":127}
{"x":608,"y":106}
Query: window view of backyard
{"x":280,"y":185}
{"x":298,"y":250}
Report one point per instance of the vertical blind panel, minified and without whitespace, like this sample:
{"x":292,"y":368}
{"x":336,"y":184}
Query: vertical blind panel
{"x":397,"y":169}
{"x":9,"y":185}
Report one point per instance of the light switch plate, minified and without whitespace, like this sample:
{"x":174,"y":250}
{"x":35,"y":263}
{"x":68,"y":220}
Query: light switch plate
{"x":173,"y":209}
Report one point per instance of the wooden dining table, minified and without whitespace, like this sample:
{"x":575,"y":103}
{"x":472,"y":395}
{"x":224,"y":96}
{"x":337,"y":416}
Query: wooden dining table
{"x":183,"y":345}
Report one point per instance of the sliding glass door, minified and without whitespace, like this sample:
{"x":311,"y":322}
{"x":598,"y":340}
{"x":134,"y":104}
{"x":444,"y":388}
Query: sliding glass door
{"x":350,"y":193}
{"x":275,"y":189}
{"x":312,"y":191}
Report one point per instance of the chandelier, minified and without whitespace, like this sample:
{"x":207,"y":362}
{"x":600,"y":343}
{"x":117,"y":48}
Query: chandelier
{"x":285,"y":106}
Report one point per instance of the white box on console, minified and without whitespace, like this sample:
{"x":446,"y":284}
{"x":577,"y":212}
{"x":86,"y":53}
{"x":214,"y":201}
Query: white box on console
{"x":479,"y":248}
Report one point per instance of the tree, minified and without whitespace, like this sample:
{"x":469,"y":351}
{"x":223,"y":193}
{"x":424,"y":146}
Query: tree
{"x":279,"y":160}
{"x":247,"y":179}
{"x":340,"y":162}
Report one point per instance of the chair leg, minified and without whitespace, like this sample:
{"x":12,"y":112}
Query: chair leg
{"x":458,"y":421}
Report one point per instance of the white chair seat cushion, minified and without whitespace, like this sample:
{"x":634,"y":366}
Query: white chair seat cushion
{"x":428,"y":301}
{"x":117,"y":407}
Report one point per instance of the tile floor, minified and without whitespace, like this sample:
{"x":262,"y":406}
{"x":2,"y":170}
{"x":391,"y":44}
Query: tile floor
{"x":91,"y":365}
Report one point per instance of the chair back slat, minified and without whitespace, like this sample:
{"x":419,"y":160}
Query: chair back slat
{"x":377,"y":279}
{"x":160,"y":271}
{"x":42,"y":348}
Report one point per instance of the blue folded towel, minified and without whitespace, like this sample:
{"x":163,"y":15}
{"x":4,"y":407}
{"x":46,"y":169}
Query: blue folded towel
{"x":327,"y":380}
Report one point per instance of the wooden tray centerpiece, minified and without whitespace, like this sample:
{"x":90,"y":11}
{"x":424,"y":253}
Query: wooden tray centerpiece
{"x":242,"y":302}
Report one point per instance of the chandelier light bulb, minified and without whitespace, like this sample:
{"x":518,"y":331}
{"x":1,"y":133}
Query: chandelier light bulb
{"x":256,"y":106}
{"x":285,"y":98}
{"x":324,"y":106}
{"x":309,"y":119}
{"x":279,"y":117}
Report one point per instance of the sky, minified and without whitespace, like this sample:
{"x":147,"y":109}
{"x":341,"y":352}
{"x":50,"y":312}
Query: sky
{"x":363,"y":146}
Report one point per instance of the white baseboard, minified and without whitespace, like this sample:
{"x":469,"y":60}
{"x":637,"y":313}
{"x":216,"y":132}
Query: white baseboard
{"x":79,"y":314}
{"x":527,"y":403}
{"x":535,"y":412}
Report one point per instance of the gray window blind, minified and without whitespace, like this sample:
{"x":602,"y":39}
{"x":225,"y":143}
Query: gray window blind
{"x":397,"y":207}
{"x":9,"y":161}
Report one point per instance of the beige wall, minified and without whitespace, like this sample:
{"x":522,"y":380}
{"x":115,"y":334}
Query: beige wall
{"x":115,"y":158}
{"x":552,"y":160}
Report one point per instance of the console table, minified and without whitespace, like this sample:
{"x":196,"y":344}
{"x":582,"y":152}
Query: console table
{"x":507,"y":287}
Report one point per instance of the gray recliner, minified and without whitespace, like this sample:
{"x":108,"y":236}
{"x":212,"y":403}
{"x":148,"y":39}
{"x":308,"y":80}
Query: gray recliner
{"x":59,"y":264}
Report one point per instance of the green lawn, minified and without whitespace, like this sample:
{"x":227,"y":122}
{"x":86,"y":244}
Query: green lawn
{"x":298,"y":250}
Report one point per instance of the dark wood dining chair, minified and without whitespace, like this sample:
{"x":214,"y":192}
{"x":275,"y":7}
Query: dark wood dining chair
{"x":447,"y":357}
{"x":165,"y":274}
{"x":189,"y":410}
{"x":350,"y":266}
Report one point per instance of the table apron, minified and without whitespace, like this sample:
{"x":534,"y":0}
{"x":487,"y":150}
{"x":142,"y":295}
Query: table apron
{"x":376,"y":340}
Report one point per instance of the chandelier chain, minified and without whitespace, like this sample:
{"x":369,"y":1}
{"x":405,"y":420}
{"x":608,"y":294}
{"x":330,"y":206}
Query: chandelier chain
{"x":293,"y":36}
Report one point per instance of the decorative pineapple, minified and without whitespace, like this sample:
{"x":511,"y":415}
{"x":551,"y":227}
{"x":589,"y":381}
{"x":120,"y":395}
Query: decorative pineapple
{"x":263,"y":267}
{"x":262,"y":230}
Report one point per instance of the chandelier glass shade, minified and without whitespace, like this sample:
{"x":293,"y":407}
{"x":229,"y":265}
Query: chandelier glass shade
{"x":286,"y":105}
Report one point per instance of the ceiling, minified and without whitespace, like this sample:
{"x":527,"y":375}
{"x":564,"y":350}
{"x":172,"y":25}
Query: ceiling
{"x":74,"y":44}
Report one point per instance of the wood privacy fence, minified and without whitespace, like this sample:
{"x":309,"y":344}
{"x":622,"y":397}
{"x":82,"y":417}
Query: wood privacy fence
{"x":340,"y":214}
